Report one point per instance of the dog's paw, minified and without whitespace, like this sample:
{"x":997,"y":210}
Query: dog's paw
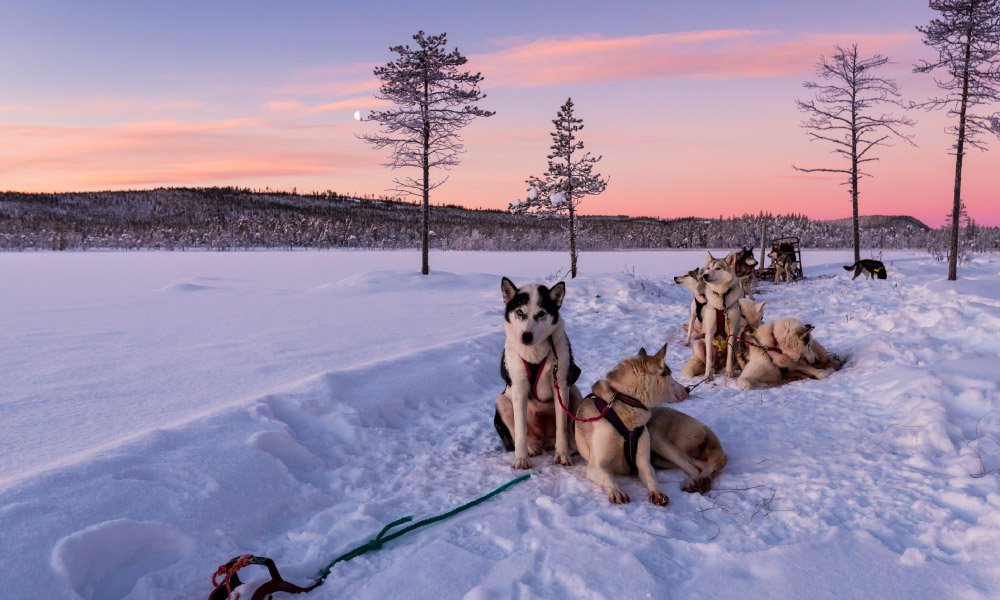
{"x":564,"y":459}
{"x":521,"y":463}
{"x":824,"y":373}
{"x":702,"y":485}
{"x":616,"y":496}
{"x":658,"y":498}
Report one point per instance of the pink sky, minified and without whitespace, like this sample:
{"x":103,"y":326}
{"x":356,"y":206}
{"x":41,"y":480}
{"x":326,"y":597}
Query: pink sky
{"x":696,"y":122}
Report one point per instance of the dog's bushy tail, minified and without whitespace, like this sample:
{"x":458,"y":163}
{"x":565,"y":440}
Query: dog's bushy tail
{"x":849,"y":267}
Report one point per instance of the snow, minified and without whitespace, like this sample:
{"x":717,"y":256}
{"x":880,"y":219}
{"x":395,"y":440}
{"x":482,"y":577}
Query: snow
{"x":161,"y":413}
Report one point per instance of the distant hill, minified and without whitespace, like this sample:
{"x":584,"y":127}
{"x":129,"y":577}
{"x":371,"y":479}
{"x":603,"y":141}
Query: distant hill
{"x":234,"y":218}
{"x":884,"y":222}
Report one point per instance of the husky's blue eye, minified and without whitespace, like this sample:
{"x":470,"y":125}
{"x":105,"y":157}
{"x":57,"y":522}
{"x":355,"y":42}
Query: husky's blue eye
{"x":520,"y":313}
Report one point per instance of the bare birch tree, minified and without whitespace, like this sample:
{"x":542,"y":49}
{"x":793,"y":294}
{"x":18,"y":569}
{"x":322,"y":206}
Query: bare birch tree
{"x":967,"y":39}
{"x":842,"y":113}
{"x":433,"y":100}
{"x":568,"y":180}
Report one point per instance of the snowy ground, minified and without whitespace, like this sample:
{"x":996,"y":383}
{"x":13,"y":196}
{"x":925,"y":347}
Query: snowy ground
{"x":162,"y":412}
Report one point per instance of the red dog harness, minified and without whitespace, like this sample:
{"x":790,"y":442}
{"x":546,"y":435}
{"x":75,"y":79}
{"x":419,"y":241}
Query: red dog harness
{"x":534,"y":371}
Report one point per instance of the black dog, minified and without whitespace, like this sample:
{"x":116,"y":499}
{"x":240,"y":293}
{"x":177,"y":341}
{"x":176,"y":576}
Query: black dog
{"x":870,"y":267}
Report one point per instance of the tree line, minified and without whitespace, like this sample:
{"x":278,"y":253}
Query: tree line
{"x":237,"y":218}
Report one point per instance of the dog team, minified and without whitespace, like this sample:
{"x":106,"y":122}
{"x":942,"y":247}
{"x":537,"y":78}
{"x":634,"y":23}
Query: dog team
{"x":622,"y":427}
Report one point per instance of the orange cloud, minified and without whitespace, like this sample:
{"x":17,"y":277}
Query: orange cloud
{"x":242,"y":151}
{"x":348,"y":104}
{"x":104,"y":107}
{"x":714,"y":54}
{"x":359,"y":103}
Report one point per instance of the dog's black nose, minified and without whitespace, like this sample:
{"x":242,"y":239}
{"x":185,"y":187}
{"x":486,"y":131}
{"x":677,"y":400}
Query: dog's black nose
{"x":526,"y":338}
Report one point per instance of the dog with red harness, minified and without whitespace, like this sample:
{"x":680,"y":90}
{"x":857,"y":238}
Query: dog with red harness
{"x":611,"y":423}
{"x":537,"y":365}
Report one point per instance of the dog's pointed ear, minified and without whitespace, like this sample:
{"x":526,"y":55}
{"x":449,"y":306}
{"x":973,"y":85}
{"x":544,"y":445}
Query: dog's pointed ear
{"x":642,"y":353}
{"x":661,"y":354}
{"x":557,"y":293}
{"x":508,"y":289}
{"x":710,"y":257}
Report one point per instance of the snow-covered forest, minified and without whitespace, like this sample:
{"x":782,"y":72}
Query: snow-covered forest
{"x":236,"y":218}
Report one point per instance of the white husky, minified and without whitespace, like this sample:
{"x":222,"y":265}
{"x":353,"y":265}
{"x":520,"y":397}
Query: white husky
{"x":537,"y":366}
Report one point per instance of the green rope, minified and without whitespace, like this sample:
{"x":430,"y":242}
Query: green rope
{"x":384,"y":535}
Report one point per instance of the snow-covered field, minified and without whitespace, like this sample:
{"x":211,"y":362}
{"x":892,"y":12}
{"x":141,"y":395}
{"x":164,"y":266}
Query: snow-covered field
{"x":163,"y":412}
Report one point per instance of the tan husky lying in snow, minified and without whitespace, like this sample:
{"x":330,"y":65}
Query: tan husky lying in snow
{"x":784,"y":350}
{"x":619,"y":444}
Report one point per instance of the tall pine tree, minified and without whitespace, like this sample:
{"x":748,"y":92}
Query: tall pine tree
{"x":569,"y":179}
{"x":433,"y":99}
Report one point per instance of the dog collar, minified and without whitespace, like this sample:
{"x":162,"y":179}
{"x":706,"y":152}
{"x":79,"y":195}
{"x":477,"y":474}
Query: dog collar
{"x":629,"y":400}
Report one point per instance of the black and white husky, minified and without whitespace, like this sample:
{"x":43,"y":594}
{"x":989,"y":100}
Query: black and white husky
{"x":870,"y":268}
{"x":536,"y":355}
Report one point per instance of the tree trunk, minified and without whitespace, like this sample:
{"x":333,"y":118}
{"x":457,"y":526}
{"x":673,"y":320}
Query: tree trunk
{"x":569,"y":199}
{"x":572,"y":241}
{"x":857,"y":229}
{"x":854,"y":159}
{"x":425,"y":213}
{"x":959,"y":154}
{"x":854,"y":202}
{"x":763,"y":243}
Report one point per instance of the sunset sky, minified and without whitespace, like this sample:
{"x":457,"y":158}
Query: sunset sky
{"x":691,"y":104}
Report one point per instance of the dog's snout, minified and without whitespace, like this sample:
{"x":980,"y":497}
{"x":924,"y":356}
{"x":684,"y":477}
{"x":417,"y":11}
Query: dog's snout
{"x":526,"y":338}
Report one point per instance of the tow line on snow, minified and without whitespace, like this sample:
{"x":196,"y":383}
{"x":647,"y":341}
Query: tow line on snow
{"x":690,"y":388}
{"x":228,"y":572}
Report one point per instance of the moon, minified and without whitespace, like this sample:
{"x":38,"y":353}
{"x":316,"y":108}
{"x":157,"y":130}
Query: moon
{"x":357,"y":115}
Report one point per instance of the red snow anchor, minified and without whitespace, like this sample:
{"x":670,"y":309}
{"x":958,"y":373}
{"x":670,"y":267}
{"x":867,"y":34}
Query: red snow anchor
{"x":224,"y":589}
